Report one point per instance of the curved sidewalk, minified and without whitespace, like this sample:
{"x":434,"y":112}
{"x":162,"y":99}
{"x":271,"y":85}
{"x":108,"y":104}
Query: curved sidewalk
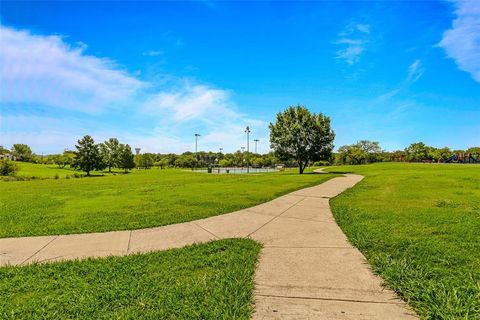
{"x":307,"y":268}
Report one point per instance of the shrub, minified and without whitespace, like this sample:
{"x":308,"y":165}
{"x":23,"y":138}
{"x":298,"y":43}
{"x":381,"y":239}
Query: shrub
{"x":321,"y":163}
{"x":8,"y":168}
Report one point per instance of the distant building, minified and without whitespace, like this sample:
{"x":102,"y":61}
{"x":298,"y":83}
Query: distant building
{"x":8,"y":156}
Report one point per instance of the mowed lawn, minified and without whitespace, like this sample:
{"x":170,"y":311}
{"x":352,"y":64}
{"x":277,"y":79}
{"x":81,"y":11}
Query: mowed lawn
{"x":143,"y":198}
{"x":52,"y":171}
{"x":419,"y":227}
{"x":203,"y":281}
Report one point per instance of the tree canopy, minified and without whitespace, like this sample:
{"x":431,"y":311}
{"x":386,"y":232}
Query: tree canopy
{"x":110,"y":153}
{"x":22,"y":152}
{"x":125,"y":158}
{"x":301,"y":135}
{"x":87,"y":156}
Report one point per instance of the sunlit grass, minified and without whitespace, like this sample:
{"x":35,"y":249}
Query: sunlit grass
{"x":419,"y":227}
{"x":143,"y":198}
{"x":205,"y":281}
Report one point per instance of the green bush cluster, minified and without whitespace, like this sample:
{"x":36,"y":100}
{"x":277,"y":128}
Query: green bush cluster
{"x":8,"y":168}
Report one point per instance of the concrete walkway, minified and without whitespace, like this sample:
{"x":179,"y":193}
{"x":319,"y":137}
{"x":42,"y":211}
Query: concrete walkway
{"x":307,"y":268}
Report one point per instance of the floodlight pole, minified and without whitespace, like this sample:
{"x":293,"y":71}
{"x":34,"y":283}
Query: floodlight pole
{"x":256,"y":140}
{"x":243,"y":156}
{"x":247,"y":131}
{"x":196,"y":146}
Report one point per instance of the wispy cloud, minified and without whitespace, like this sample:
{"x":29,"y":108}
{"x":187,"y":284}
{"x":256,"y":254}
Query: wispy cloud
{"x":462,"y":42}
{"x":363,"y":27}
{"x":153,"y":53}
{"x":414,"y":73}
{"x":38,"y":73}
{"x":353,"y":40}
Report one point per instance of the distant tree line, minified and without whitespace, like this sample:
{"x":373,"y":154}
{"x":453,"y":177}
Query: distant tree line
{"x":366,"y":151}
{"x":89,"y":156}
{"x":206,"y":159}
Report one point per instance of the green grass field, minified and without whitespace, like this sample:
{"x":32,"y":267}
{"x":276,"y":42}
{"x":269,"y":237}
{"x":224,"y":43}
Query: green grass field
{"x":143,"y":198}
{"x":419,"y":227}
{"x":204,"y":281}
{"x":50,"y":171}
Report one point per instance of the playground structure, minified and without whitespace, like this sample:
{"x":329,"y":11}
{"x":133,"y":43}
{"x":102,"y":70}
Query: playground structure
{"x":464,"y":157}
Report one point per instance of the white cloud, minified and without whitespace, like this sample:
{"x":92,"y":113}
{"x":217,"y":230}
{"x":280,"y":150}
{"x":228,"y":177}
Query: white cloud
{"x":39,"y":72}
{"x":189,"y":101}
{"x":44,"y":70}
{"x":208,"y":111}
{"x":353,"y":39}
{"x":462,"y":42}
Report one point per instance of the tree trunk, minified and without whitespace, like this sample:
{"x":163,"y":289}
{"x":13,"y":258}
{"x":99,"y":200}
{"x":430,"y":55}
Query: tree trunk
{"x":300,"y":167}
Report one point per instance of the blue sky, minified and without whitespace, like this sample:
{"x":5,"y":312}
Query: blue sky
{"x":154,"y":73}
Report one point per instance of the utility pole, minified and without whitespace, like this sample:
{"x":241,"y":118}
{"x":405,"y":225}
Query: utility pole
{"x":247,"y":131}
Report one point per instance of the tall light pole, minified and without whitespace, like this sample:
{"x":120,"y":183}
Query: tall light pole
{"x":221,"y":150}
{"x":196,"y":144}
{"x":196,"y":147}
{"x":247,"y":131}
{"x":256,"y":140}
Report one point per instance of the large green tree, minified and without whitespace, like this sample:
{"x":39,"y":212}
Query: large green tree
{"x":144,"y":161}
{"x":62,"y":160}
{"x":126,"y":157}
{"x":22,"y":152}
{"x":110,"y":152}
{"x":473,"y":150}
{"x":418,"y":151}
{"x":364,"y":151}
{"x":301,"y":135}
{"x":87,"y":156}
{"x":186,"y":161}
{"x":352,"y":154}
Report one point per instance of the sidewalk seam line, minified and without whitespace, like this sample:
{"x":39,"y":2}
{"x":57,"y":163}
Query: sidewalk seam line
{"x":275,"y":217}
{"x":327,"y":299}
{"x":216,"y":237}
{"x":129,"y":240}
{"x":43,"y":247}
